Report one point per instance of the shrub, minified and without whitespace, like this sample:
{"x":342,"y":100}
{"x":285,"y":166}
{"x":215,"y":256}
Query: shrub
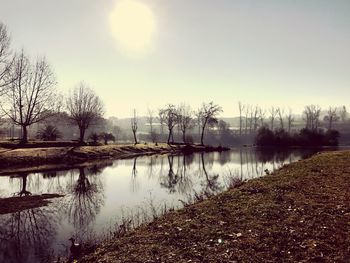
{"x":49,"y":133}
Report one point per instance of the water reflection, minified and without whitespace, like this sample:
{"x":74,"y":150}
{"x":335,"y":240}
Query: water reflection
{"x":84,"y":199}
{"x":97,"y":194}
{"x":27,"y":235}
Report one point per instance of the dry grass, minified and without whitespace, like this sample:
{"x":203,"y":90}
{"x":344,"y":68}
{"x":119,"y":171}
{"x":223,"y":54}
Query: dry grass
{"x":301,"y":213}
{"x":70,"y":155}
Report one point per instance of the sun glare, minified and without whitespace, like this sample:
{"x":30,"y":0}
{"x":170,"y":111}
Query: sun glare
{"x":133,"y":25}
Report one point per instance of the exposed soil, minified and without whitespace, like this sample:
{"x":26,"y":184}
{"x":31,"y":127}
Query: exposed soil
{"x":16,"y":204}
{"x":300,"y":213}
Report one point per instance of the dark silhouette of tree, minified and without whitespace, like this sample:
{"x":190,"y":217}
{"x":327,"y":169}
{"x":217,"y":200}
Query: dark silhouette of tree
{"x":85,"y":108}
{"x":134,"y":126}
{"x":31,"y":97}
{"x":184,"y":119}
{"x":312,"y":116}
{"x":331,"y":117}
{"x":49,"y":133}
{"x":208,"y":113}
{"x":170,"y":118}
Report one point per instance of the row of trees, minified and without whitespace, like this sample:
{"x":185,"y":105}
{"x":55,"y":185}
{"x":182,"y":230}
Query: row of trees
{"x":305,"y":137}
{"x":29,"y":94}
{"x":182,"y":117}
{"x":253,"y":117}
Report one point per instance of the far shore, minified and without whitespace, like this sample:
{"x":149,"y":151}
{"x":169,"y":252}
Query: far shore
{"x":20,"y":160}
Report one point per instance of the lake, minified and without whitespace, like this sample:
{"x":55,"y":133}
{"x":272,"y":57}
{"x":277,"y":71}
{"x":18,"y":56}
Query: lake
{"x":101,"y":196}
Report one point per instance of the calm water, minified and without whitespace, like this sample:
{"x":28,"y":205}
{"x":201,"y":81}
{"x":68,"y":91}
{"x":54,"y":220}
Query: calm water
{"x":99,"y":196}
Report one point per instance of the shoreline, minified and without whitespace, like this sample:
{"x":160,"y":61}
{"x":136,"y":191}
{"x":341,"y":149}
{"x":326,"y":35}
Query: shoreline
{"x":299,"y":213}
{"x":22,"y":160}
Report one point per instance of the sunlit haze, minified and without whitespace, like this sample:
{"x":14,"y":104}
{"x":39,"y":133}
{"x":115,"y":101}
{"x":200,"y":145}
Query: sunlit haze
{"x":146,"y":53}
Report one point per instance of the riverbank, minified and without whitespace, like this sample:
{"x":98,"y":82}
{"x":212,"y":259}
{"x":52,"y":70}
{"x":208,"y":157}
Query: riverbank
{"x":13,"y":160}
{"x":300,"y":213}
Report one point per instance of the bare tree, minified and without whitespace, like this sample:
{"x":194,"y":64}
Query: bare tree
{"x":170,"y":118}
{"x":280,"y":113}
{"x":31,"y":97}
{"x":208,"y":113}
{"x":343,"y":114}
{"x":84,"y":107}
{"x":255,"y":118}
{"x":273,"y":113}
{"x":290,"y":119}
{"x":262,"y":114}
{"x":6,"y":60}
{"x":150,"y":119}
{"x":331,"y":117}
{"x":241,"y":109}
{"x":247,"y":110}
{"x":161,"y":117}
{"x":184,"y":119}
{"x":134,"y":125}
{"x":312,"y":116}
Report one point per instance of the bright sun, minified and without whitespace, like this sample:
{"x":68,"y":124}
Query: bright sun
{"x":133,"y":25}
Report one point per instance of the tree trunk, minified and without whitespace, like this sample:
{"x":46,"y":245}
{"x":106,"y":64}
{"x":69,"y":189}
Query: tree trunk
{"x":169,"y":136}
{"x":202,"y":135}
{"x":24,"y":134}
{"x":82,"y":134}
{"x":135,"y":139}
{"x":184,"y":136}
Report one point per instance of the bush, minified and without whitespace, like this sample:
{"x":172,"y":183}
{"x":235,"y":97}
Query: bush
{"x":306,"y":137}
{"x":49,"y":133}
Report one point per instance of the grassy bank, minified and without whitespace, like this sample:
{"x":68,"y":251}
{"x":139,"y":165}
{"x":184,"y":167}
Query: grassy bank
{"x":56,"y":156}
{"x":300,"y":213}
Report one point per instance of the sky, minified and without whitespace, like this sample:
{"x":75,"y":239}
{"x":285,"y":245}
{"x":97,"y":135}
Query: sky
{"x":147,"y":53}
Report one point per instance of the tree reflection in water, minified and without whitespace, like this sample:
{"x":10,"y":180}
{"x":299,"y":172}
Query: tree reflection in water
{"x":23,"y":191}
{"x":84,"y":201}
{"x":171,"y":179}
{"x":134,"y":184}
{"x":211,"y":184}
{"x":27,"y":236}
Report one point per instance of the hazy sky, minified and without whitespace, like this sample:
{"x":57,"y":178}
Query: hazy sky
{"x":145,"y":53}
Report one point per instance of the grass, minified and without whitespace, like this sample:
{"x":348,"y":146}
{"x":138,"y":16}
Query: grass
{"x":300,"y":213}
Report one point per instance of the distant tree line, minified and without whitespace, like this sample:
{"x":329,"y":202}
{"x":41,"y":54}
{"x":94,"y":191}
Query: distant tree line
{"x":29,"y":96}
{"x":305,"y":137}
